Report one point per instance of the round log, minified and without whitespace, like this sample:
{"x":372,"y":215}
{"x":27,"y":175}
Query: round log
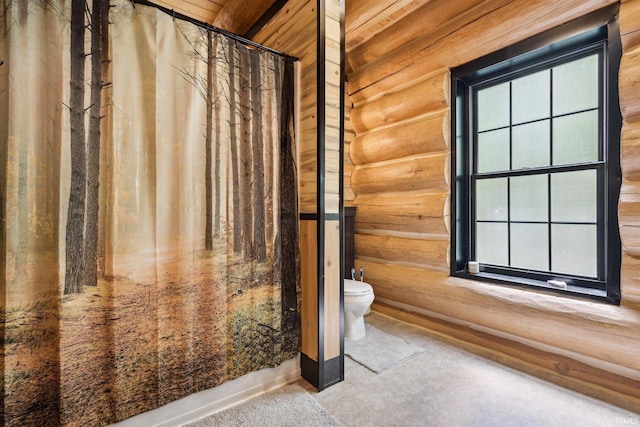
{"x":630,"y":279}
{"x":417,"y":213}
{"x":628,"y":217}
{"x":630,"y":25}
{"x":426,"y":253}
{"x":424,"y":135}
{"x":425,"y":96}
{"x":629,"y":85}
{"x":420,"y":173}
{"x":630,"y":151}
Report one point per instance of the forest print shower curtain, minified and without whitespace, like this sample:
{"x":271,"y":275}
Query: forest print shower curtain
{"x":148,"y":242}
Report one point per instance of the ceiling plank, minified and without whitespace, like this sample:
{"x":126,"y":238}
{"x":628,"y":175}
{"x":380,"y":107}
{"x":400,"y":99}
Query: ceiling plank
{"x":364,"y":18}
{"x":238,"y":16}
{"x":202,"y":10}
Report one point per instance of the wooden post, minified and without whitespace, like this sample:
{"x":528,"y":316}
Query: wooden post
{"x":325,"y":366}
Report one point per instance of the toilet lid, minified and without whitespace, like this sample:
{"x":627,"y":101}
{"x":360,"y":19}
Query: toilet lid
{"x":356,"y":287}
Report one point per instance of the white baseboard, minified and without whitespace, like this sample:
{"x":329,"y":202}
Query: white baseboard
{"x":206,"y":402}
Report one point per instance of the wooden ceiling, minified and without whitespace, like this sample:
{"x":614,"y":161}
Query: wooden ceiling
{"x":363,"y":18}
{"x":235,"y":16}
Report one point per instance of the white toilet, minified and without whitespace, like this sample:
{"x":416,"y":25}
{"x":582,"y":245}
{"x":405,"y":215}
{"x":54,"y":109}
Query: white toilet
{"x":358,"y":297}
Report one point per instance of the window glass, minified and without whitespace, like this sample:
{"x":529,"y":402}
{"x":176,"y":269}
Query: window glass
{"x":575,"y":138}
{"x":530,"y":246}
{"x":491,"y":199}
{"x":493,"y":150}
{"x":573,"y":249}
{"x":492,"y":243}
{"x":574,"y":196}
{"x":493,"y":107}
{"x":531,"y":97}
{"x":575,"y":86}
{"x":531,"y":146}
{"x":529,"y":198}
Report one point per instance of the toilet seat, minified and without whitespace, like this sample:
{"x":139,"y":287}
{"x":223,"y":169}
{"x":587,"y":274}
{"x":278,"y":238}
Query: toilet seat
{"x":353,"y":287}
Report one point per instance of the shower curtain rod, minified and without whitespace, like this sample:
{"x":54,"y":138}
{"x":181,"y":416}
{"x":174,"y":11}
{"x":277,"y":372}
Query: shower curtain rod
{"x":177,"y":15}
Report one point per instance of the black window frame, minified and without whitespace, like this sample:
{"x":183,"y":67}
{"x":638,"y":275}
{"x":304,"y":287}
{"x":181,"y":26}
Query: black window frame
{"x":596,"y":32}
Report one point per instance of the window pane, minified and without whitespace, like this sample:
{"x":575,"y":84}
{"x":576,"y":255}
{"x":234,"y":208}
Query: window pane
{"x":575,"y":138}
{"x":493,"y":151}
{"x":493,"y":107}
{"x":529,"y":198}
{"x":530,"y":246}
{"x":531,"y":97}
{"x":531,"y":145}
{"x":492,"y":243}
{"x":575,"y":85}
{"x":574,"y":196}
{"x":573,"y":249}
{"x":491,"y":199}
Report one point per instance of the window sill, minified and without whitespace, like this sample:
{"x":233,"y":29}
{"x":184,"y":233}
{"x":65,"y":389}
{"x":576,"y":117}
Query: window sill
{"x":538,"y":285}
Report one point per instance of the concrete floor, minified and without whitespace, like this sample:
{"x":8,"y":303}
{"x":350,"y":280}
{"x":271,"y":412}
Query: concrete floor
{"x":446,"y":386}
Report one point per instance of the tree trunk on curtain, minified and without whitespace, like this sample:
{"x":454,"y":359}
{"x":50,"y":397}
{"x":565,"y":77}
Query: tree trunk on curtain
{"x":23,"y":11}
{"x":235,"y":174}
{"x":23,"y":211}
{"x":23,"y":156}
{"x":105,"y":123}
{"x":278,"y":67}
{"x":259,"y":244}
{"x":77,"y":195}
{"x":208,"y":234}
{"x":216,"y":142}
{"x":271,"y":165}
{"x":289,"y":213}
{"x":246,"y":154}
{"x":93,"y":148}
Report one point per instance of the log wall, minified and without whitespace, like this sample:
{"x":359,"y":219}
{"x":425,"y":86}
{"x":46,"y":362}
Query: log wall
{"x":399,"y":158}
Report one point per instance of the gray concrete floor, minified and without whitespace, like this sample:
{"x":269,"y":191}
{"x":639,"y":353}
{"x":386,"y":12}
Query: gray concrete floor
{"x":446,"y":386}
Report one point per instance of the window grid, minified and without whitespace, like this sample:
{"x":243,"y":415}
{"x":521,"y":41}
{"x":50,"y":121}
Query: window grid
{"x":547,"y":170}
{"x":544,"y":51}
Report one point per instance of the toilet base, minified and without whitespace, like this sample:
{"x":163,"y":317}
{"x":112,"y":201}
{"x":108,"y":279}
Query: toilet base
{"x":354,"y":328}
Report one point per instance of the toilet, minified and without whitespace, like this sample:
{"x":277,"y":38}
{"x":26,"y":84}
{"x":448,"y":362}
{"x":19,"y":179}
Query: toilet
{"x":358,"y":297}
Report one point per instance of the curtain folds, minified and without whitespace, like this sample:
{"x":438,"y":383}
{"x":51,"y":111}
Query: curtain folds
{"x":195,"y":192}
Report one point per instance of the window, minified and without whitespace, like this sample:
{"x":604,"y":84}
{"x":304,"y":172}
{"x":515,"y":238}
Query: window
{"x":536,"y":168}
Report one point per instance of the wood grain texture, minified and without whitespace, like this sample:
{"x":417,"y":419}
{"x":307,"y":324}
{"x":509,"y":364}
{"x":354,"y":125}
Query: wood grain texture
{"x":558,"y":369}
{"x":423,"y":135}
{"x":430,"y":254}
{"x":309,"y":289}
{"x":437,"y":17}
{"x":486,"y":34}
{"x":238,"y":16}
{"x":629,"y":85}
{"x":202,"y":10}
{"x":410,"y":213}
{"x":630,"y":151}
{"x":630,"y":24}
{"x":332,"y":290}
{"x":545,"y":319}
{"x":425,"y":96}
{"x":361,"y":15}
{"x":411,"y":174}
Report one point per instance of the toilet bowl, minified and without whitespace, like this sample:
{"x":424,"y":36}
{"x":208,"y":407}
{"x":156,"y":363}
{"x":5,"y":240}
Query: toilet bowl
{"x":358,"y":296}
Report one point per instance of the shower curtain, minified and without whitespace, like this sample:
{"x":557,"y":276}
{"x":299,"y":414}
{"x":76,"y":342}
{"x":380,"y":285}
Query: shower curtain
{"x":148,"y":233}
